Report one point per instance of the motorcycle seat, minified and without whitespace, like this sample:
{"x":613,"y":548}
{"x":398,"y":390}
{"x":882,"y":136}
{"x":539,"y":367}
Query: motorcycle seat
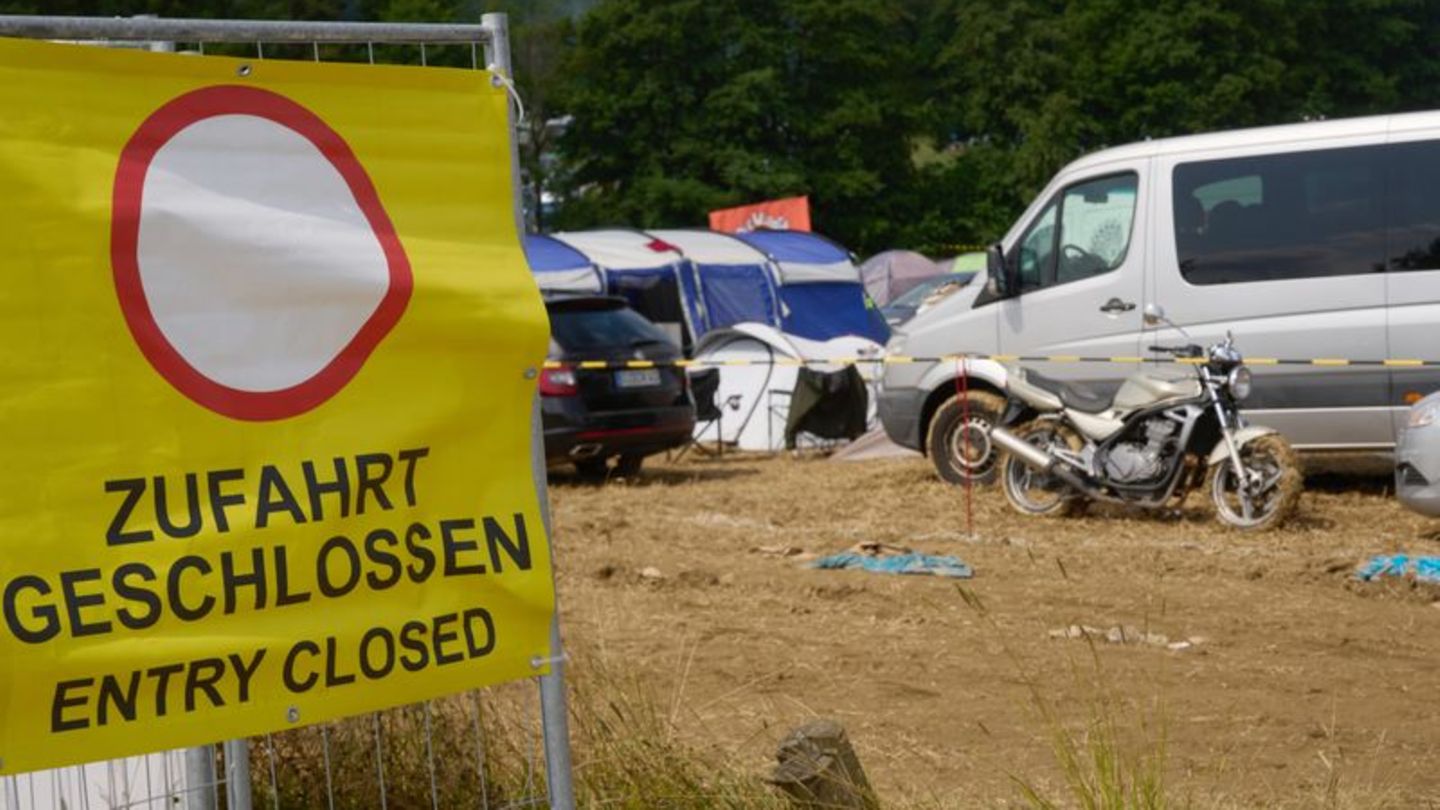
{"x":1073,"y":396}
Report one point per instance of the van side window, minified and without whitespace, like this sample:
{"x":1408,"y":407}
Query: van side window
{"x":1037,"y":251}
{"x":1414,"y":182}
{"x":1297,"y":215}
{"x":1093,"y":236}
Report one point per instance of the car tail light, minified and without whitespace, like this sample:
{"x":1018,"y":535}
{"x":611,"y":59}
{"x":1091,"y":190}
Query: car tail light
{"x":558,"y":382}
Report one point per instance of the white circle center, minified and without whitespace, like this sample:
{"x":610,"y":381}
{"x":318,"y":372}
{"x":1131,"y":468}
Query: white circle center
{"x":255,"y":257}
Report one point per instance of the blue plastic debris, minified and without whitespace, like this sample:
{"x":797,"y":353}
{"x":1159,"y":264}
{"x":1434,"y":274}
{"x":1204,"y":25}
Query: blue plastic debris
{"x":1423,"y":569}
{"x":912,"y":563}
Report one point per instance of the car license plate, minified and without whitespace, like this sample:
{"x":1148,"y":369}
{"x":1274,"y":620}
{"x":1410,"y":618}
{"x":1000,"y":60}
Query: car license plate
{"x":637,"y":378}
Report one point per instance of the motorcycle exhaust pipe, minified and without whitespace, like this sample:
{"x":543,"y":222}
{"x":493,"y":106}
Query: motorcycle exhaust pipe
{"x":1023,"y":450}
{"x":1040,"y":460}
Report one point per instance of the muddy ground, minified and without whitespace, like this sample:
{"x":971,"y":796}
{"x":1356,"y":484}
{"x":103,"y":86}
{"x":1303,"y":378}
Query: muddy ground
{"x":1296,"y":686}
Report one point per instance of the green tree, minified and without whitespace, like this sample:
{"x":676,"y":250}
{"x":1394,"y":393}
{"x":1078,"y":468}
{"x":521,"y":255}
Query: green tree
{"x":1051,"y":80}
{"x":688,"y":105}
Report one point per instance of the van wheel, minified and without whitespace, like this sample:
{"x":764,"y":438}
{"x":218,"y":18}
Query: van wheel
{"x":962,"y":450}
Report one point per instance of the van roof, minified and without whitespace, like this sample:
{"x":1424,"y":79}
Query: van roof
{"x":1259,"y":136}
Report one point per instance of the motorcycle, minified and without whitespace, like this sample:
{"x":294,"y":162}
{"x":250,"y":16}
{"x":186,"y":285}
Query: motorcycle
{"x":1161,"y":436}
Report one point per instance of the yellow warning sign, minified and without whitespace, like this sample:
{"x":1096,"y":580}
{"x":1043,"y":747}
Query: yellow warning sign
{"x":267,"y":415}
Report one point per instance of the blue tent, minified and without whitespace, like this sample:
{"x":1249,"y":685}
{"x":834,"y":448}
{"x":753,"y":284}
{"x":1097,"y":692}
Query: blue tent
{"x":557,"y":267}
{"x":820,"y":287}
{"x":736,"y":282}
{"x":653,"y":276}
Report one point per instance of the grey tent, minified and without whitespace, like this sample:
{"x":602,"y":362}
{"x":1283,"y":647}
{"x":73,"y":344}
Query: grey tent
{"x":891,"y":274}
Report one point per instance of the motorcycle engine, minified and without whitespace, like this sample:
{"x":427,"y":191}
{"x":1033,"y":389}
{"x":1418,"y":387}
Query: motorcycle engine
{"x":1133,"y":462}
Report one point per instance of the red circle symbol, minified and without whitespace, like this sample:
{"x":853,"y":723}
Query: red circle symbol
{"x":134,"y":168}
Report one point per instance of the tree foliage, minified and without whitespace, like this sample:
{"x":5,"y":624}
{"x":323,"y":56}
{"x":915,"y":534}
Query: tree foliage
{"x":681,"y":107}
{"x":1051,"y":80}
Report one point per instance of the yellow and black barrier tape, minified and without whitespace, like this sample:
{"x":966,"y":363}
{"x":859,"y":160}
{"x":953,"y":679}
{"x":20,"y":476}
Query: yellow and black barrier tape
{"x":900,"y":359}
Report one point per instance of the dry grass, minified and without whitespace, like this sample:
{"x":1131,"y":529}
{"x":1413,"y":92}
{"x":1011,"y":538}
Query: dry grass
{"x":483,"y":750}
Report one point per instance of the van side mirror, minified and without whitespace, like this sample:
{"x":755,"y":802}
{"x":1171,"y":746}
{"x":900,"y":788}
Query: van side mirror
{"x":1001,"y":282}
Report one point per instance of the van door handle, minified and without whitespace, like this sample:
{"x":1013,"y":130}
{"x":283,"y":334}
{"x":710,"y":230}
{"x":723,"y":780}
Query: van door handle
{"x":1116,"y":305}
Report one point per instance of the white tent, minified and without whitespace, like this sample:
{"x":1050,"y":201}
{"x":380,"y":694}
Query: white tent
{"x":754,"y":394}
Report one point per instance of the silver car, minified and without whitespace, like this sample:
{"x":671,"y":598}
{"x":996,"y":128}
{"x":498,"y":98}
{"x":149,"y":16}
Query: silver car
{"x":1417,"y":458}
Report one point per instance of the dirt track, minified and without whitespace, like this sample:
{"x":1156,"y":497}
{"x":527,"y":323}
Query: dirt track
{"x":1301,"y":686}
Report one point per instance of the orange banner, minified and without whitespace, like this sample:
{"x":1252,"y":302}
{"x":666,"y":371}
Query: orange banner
{"x":789,"y":214}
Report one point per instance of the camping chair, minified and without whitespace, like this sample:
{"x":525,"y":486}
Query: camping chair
{"x":704,"y":385}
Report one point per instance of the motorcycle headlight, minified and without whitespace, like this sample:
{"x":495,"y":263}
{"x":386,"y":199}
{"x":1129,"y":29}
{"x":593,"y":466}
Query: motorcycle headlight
{"x":1239,"y":383}
{"x":1420,"y":417}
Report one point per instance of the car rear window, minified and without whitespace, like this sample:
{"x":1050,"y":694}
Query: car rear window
{"x":581,"y":329}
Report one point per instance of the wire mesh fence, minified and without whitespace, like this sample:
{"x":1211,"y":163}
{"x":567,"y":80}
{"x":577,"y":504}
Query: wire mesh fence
{"x":477,"y":749}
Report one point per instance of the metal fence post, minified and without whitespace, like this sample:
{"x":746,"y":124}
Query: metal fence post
{"x":554,"y":712}
{"x":554,"y":717}
{"x":237,"y":775}
{"x":497,"y":57}
{"x":199,"y":784}
{"x":497,"y":45}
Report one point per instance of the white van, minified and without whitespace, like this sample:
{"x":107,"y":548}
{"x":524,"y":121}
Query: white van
{"x":1316,"y":240}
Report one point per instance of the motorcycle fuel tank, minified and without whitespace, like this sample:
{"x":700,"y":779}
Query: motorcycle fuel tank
{"x":1145,"y":389}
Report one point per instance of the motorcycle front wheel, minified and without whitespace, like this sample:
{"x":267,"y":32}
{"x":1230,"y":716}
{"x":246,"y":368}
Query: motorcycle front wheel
{"x":1031,"y":492}
{"x":1269,"y":497}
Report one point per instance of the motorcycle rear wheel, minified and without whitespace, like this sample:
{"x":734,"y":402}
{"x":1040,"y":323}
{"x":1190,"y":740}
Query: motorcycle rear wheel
{"x":1031,"y":492}
{"x":1273,"y":501}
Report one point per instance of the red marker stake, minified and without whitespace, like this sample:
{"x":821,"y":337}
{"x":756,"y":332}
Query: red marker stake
{"x":962,"y":390}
